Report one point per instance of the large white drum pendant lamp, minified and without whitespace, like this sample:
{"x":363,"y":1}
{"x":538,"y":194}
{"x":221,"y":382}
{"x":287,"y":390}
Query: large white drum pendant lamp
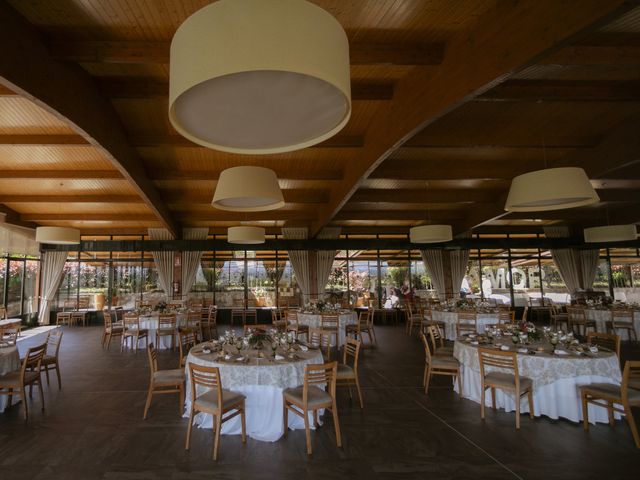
{"x":258,"y":77}
{"x":58,"y":235}
{"x":430,"y":234}
{"x":550,"y":189}
{"x":245,"y":235}
{"x":248,"y":189}
{"x":610,"y":233}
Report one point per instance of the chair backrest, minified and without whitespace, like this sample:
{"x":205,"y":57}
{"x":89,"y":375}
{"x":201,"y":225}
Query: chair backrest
{"x":577,"y":314}
{"x":292,"y":317}
{"x":167,"y":321}
{"x":351,"y":352}
{"x":187,"y":340}
{"x":152,"y":354}
{"x":435,"y":334}
{"x":498,"y":359}
{"x":363,"y":318}
{"x":131,"y":321}
{"x":606,"y":340}
{"x":316,"y":375}
{"x":33,"y":359}
{"x":206,"y":378}
{"x":54,"y":339}
{"x":630,"y":378}
{"x":329,"y":321}
{"x":467,"y":322}
{"x":622,"y":317}
{"x":320,"y":338}
{"x":506,"y":316}
{"x":427,"y":348}
{"x":108,"y":323}
{"x":212,"y":315}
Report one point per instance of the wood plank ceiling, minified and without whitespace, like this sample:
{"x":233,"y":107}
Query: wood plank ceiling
{"x":451,"y":100}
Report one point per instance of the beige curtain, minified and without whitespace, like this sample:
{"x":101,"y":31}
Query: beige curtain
{"x":589,"y":260}
{"x":191,"y":260}
{"x":459,"y":260}
{"x":51,"y":272}
{"x":163,"y":261}
{"x":567,"y":260}
{"x":432,"y":259}
{"x":299,"y":261}
{"x":325,"y":258}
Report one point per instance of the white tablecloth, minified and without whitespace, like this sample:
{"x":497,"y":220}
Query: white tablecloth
{"x":262,"y":382}
{"x":315,"y":321}
{"x":451,"y":318}
{"x":9,"y":361}
{"x":556,"y":382}
{"x":150,"y":322}
{"x":601,"y":318}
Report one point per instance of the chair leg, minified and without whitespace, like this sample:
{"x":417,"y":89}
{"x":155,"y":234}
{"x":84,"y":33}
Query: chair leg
{"x":482,"y":395}
{"x":459,"y":384}
{"x":424,"y":376}
{"x":530,"y":398}
{"x":585,"y":411}
{"x":181,"y":395}
{"x":426,"y":385}
{"x":243,"y":423}
{"x":216,"y":442}
{"x":632,"y":424}
{"x":493,"y":398}
{"x":41,"y":393}
{"x":307,"y":431}
{"x":612,"y":421}
{"x":285,"y":418}
{"x":10,"y":395}
{"x":188,"y":441}
{"x":46,"y":372}
{"x":359,"y":392}
{"x":23,"y":394}
{"x":336,"y":423}
{"x":518,"y":399}
{"x":148,"y":403}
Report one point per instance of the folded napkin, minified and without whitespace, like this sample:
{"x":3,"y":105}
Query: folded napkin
{"x":227,"y":357}
{"x":560,"y":352}
{"x":206,"y":350}
{"x":304,"y":348}
{"x":593,"y":349}
{"x":504,"y":348}
{"x":474,"y":343}
{"x":279,"y":357}
{"x":239,"y":359}
{"x":522,"y":350}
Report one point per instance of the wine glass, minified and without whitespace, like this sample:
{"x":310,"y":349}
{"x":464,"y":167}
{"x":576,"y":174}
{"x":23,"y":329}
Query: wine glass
{"x":274,"y":347}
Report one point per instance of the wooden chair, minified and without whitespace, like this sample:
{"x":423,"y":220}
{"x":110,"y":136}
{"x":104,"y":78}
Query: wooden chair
{"x":278,"y":320}
{"x":163,"y":381}
{"x":506,"y":317}
{"x":427,"y":319}
{"x":192,"y":324}
{"x":27,"y":376}
{"x":187,"y":340}
{"x":623,"y":320}
{"x":167,"y":327}
{"x":512,"y":381}
{"x":578,"y":318}
{"x":133,"y":332}
{"x":79,"y":317}
{"x":362,"y":326}
{"x":609,"y":341}
{"x":414,"y":318}
{"x":250,"y":316}
{"x":111,"y":329}
{"x":63,"y":318}
{"x":321,"y":339}
{"x":311,"y":398}
{"x":347,"y":373}
{"x":559,"y":318}
{"x":215,"y":401}
{"x":237,"y":313}
{"x":209,"y":326}
{"x":467,"y":322}
{"x":50,"y":361}
{"x":608,"y":395}
{"x":438,"y":365}
{"x":330,"y":322}
{"x":437,"y":341}
{"x":293,"y":325}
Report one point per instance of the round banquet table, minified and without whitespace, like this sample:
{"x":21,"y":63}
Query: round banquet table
{"x":261,"y":381}
{"x":556,"y":380}
{"x":150,"y":322}
{"x":9,"y":362}
{"x":451,"y":318}
{"x":313,"y":320}
{"x":601,"y":317}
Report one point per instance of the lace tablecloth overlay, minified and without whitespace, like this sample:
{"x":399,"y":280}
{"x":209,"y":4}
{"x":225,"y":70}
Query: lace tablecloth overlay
{"x":601,"y":318}
{"x":150,"y":322}
{"x":9,"y":361}
{"x":262,"y":381}
{"x":315,"y":321}
{"x":556,"y":381}
{"x":451,"y":318}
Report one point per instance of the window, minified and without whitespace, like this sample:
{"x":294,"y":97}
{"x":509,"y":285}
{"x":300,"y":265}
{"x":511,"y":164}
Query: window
{"x":14,"y":288}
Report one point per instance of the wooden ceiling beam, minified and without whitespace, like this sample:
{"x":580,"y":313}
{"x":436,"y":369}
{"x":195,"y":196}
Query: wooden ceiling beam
{"x":13,"y":218}
{"x":360,"y":53}
{"x":422,"y":195}
{"x":67,"y":91}
{"x":43,"y":140}
{"x":282,"y":173}
{"x":153,"y":87}
{"x":415,"y":215}
{"x":500,"y":43}
{"x":562,"y":91}
{"x":595,"y":55}
{"x":62,"y":174}
{"x":70,"y":199}
{"x":301,"y":196}
{"x":142,"y":140}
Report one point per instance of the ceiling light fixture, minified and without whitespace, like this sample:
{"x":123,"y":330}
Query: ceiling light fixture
{"x":248,"y":189}
{"x":257,"y":77}
{"x":550,"y":189}
{"x":245,"y":235}
{"x":58,"y":235}
{"x":610,"y":233}
{"x":430,"y":233}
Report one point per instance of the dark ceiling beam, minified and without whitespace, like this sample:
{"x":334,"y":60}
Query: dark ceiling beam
{"x":142,"y":140}
{"x":595,"y":55}
{"x":307,"y":196}
{"x":153,"y":87}
{"x":13,"y":218}
{"x":562,"y":91}
{"x":43,"y":140}
{"x":282,"y":173}
{"x":414,"y":215}
{"x":62,"y":174}
{"x":68,"y":92}
{"x":509,"y":35}
{"x":423,"y":195}
{"x":360,"y":53}
{"x":70,"y":198}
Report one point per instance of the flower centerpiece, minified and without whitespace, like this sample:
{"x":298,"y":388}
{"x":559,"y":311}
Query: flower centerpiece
{"x":258,"y":339}
{"x":160,"y":307}
{"x":528,"y":330}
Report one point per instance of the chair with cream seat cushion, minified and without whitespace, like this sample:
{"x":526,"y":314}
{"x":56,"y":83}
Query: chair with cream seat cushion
{"x":163,"y":381}
{"x":437,"y":341}
{"x":27,"y":376}
{"x":111,"y":329}
{"x":347,"y":373}
{"x":50,"y":360}
{"x":310,"y":397}
{"x":438,"y":365}
{"x":214,"y":400}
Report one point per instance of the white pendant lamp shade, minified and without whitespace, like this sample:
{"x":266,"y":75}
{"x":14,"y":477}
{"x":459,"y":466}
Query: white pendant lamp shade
{"x":248,"y":189}
{"x":430,"y":234}
{"x":610,"y":233}
{"x":245,"y":235}
{"x":58,"y":235}
{"x":256,"y":76}
{"x":550,"y":189}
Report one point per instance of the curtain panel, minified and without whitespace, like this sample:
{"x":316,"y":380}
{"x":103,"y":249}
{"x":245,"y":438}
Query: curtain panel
{"x":51,"y":272}
{"x":191,"y":260}
{"x":589,"y":260}
{"x":459,"y":260}
{"x":299,"y":261}
{"x":325,"y":259}
{"x":163,"y":261}
{"x":432,"y":259}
